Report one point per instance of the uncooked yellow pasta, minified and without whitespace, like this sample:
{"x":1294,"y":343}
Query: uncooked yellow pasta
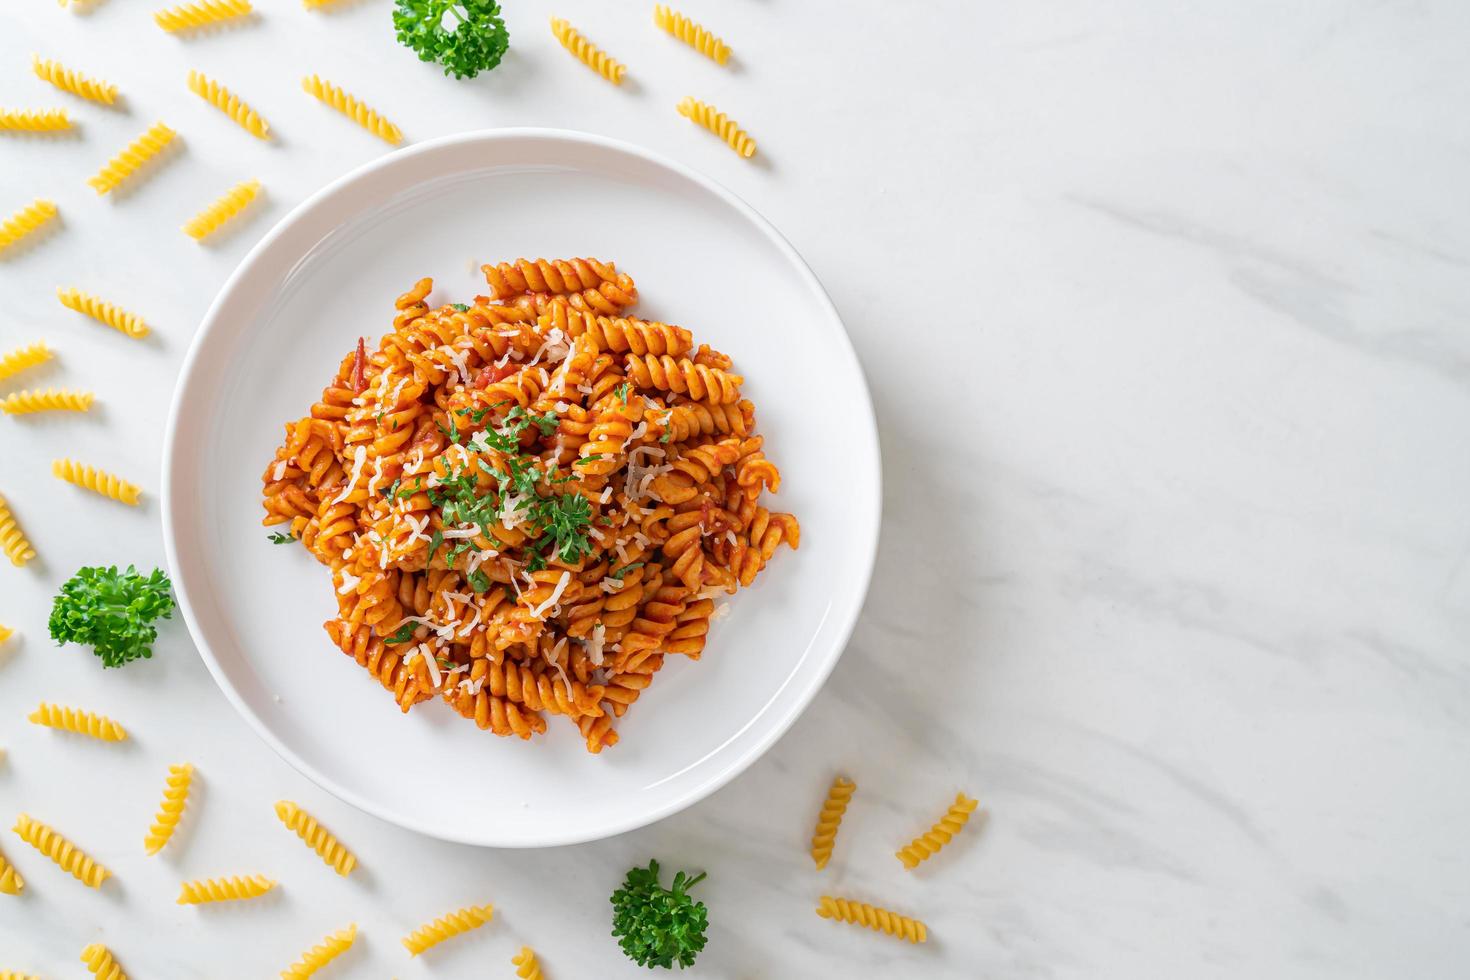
{"x":351,"y":107}
{"x":10,"y":880}
{"x":927,"y":844}
{"x":221,"y":210}
{"x":21,"y":358}
{"x":234,"y":889}
{"x":175,"y":796}
{"x":34,"y":121}
{"x":78,"y":721}
{"x":692,"y":34}
{"x":100,"y":961}
{"x":131,"y":157}
{"x":12,"y":541}
{"x":316,"y":837}
{"x":103,"y":312}
{"x":5,"y":633}
{"x":873,"y":917}
{"x":191,"y":16}
{"x":321,"y":954}
{"x":98,"y":481}
{"x":25,"y":221}
{"x":12,"y":975}
{"x":526,"y":966}
{"x":60,"y":850}
{"x":588,"y":53}
{"x":50,"y":400}
{"x":229,"y":103}
{"x":830,"y":819}
{"x":718,"y":123}
{"x":456,"y":922}
{"x":73,"y":82}
{"x":319,"y":4}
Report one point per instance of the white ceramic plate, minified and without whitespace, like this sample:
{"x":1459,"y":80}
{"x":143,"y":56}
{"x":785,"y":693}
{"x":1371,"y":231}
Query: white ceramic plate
{"x":329,"y":272}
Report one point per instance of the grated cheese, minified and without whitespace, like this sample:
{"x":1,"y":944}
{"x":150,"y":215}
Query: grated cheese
{"x":358,"y":459}
{"x":555,"y":597}
{"x":281,"y":469}
{"x":594,"y":644}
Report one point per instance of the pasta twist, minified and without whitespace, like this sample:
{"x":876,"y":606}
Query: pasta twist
{"x":351,"y":107}
{"x":24,"y":357}
{"x":103,"y":312}
{"x":38,"y":121}
{"x":50,"y":400}
{"x":873,"y":917}
{"x":5,"y":633}
{"x":131,"y":157}
{"x":692,"y":34}
{"x":77,"y":721}
{"x":316,"y":837}
{"x":26,"y":221}
{"x":718,"y":123}
{"x":526,"y":966}
{"x":229,"y":103}
{"x":12,"y":975}
{"x":191,"y":16}
{"x":830,"y":819}
{"x":224,"y":889}
{"x":12,"y":541}
{"x":97,"y":481}
{"x":11,"y":882}
{"x":62,"y":851}
{"x":588,"y":53}
{"x":684,"y":377}
{"x":456,"y":922}
{"x":333,"y":946}
{"x":175,"y":796}
{"x":100,"y":961}
{"x":221,"y":210}
{"x":73,"y":82}
{"x":927,"y":844}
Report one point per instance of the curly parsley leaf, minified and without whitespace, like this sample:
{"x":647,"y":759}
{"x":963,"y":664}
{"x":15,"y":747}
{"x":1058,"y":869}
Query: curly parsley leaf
{"x":280,"y":537}
{"x":659,"y":926}
{"x":112,"y":612}
{"x":465,"y":37}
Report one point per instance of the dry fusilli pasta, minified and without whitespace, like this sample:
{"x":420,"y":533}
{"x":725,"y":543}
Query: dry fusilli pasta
{"x":223,"y":209}
{"x":34,"y":121}
{"x":873,"y":917}
{"x":233,"y":889}
{"x":131,"y":157}
{"x":927,"y":844}
{"x":77,"y":721}
{"x":333,"y":946}
{"x":830,"y":819}
{"x":98,"y":481}
{"x":5,"y":633}
{"x":73,"y":82}
{"x":26,"y":221}
{"x":692,"y":34}
{"x":50,"y":400}
{"x":11,"y":882}
{"x":100,"y":961}
{"x":456,"y":922}
{"x":351,"y":107}
{"x":103,"y":312}
{"x":526,"y":966}
{"x":12,"y":541}
{"x":588,"y":53}
{"x":21,"y":358}
{"x":62,"y":851}
{"x":191,"y":16}
{"x":229,"y":103}
{"x":718,"y":123}
{"x":175,"y":796}
{"x":316,"y":837}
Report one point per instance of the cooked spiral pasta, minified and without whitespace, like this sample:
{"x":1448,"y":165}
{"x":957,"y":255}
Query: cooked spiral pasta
{"x":229,"y":103}
{"x":73,"y":82}
{"x":927,"y":844}
{"x":684,"y":377}
{"x":98,"y":481}
{"x":692,"y":34}
{"x":873,"y":917}
{"x":11,"y":882}
{"x":333,"y":946}
{"x":50,"y":400}
{"x":830,"y":819}
{"x":21,"y":358}
{"x":718,"y":123}
{"x":456,"y":922}
{"x":221,"y":210}
{"x":77,"y":721}
{"x":175,"y":796}
{"x":588,"y":53}
{"x":233,"y":889}
{"x":351,"y":107}
{"x":34,"y":121}
{"x":526,"y":966}
{"x":131,"y":157}
{"x":100,"y":961}
{"x":12,"y":540}
{"x":103,"y":312}
{"x":191,"y":16}
{"x":316,"y":837}
{"x":61,"y":851}
{"x":26,"y":221}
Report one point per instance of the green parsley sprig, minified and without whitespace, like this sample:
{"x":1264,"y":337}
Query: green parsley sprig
{"x":112,"y":612}
{"x":657,"y":926}
{"x":466,"y":37}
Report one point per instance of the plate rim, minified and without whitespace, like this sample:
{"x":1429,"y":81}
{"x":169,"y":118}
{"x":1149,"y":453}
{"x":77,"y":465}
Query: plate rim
{"x":866,"y":431}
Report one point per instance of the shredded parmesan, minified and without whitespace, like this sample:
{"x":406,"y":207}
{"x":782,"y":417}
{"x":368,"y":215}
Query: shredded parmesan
{"x":281,"y":469}
{"x":561,"y":586}
{"x":349,"y":582}
{"x":357,"y":463}
{"x":594,"y":644}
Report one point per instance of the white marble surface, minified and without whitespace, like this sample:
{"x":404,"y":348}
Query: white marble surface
{"x":1165,"y":318}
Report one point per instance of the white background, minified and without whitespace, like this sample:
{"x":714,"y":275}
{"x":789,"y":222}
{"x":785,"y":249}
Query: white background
{"x":1164,"y":312}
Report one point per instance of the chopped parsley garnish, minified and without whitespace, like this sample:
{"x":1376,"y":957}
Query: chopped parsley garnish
{"x":435,"y":540}
{"x":281,"y":537}
{"x":622,"y":392}
{"x":452,"y":431}
{"x":479,"y":581}
{"x":461,"y":307}
{"x":404,"y":634}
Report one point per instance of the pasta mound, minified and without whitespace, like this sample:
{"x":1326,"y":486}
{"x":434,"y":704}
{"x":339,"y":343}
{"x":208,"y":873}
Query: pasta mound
{"x":528,"y":502}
